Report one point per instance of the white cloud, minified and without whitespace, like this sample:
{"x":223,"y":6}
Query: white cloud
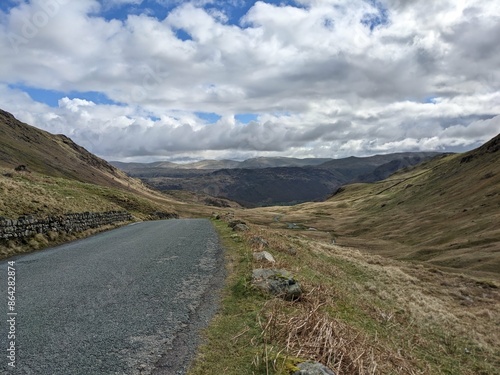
{"x":321,"y":81}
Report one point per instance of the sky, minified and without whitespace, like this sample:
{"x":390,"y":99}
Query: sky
{"x":147,"y":80}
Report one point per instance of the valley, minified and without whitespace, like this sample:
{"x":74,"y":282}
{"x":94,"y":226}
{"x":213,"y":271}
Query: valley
{"x":271,"y":181}
{"x":400,"y":269}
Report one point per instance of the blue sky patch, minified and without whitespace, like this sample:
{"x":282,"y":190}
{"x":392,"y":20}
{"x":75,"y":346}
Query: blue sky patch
{"x":182,"y":35}
{"x":52,"y":97}
{"x":6,"y":5}
{"x":374,"y":20}
{"x":245,"y":118}
{"x":211,"y":118}
{"x":430,"y":99}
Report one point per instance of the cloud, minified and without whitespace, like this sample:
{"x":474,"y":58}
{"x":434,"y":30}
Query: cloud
{"x":327,"y":78}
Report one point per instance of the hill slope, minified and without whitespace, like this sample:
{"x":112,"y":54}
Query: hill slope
{"x":445,"y":211}
{"x":59,"y":176}
{"x":53,"y":155}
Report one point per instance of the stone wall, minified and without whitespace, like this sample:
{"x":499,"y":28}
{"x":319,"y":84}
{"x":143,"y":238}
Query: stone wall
{"x":28,"y":226}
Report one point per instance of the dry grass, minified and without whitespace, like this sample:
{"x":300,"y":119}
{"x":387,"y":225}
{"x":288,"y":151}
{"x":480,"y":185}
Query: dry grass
{"x":444,"y":212}
{"x":367,"y":314}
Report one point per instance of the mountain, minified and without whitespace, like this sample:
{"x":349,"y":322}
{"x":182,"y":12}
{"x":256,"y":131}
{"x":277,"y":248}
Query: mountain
{"x":377,"y":167}
{"x":46,"y":174}
{"x":274,"y":181}
{"x":53,"y":155}
{"x":445,"y":211}
{"x":275,"y":162}
{"x":260,"y":162}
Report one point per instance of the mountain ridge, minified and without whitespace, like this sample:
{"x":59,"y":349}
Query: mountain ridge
{"x":282,"y":184}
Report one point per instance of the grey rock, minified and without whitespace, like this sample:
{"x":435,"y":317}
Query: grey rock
{"x":241,"y":228}
{"x":313,"y":368}
{"x":234,"y":223}
{"x":277,"y":282}
{"x":264,"y":256}
{"x":27,"y":225}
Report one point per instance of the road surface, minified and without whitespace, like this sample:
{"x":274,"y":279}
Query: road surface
{"x":127,"y":301}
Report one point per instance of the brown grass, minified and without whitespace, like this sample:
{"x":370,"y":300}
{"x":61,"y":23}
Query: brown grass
{"x":368,"y":314}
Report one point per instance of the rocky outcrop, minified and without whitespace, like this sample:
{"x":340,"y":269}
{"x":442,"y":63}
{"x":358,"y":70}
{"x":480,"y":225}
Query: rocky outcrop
{"x":28,"y":226}
{"x":277,"y":282}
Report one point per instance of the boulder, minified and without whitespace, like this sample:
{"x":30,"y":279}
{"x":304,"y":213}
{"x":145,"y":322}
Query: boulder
{"x":313,"y":368}
{"x":234,"y":223}
{"x":264,"y":256}
{"x":241,"y":228}
{"x":277,"y":282}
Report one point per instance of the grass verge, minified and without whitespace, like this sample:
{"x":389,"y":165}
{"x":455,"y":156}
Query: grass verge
{"x":232,"y":342}
{"x":360,"y":314}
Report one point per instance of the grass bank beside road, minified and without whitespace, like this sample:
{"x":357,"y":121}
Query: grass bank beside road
{"x":360,"y":314}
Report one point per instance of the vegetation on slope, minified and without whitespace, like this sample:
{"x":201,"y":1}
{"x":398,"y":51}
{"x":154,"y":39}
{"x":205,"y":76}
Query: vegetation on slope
{"x":360,"y":314}
{"x":445,"y":211}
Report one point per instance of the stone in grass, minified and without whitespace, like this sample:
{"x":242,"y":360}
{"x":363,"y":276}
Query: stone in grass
{"x":234,"y":223}
{"x":313,"y":368}
{"x":264,"y":256}
{"x":241,"y":228}
{"x":277,"y":282}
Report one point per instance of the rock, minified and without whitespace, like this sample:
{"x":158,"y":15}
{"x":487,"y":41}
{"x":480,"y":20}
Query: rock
{"x":215,"y":216}
{"x":264,"y":256}
{"x":21,"y":168}
{"x":234,"y":223}
{"x":292,"y":226}
{"x":312,"y":229}
{"x":313,"y":368}
{"x":241,"y":228}
{"x":277,"y":282}
{"x":259,"y":241}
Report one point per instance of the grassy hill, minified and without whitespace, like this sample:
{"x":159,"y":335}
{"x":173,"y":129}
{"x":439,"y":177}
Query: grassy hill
{"x":400,"y":276}
{"x":43,"y":174}
{"x":445,"y":211}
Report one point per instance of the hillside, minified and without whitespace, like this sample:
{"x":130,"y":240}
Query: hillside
{"x":53,"y":155}
{"x":272,"y":181}
{"x":445,"y":212}
{"x":55,"y":175}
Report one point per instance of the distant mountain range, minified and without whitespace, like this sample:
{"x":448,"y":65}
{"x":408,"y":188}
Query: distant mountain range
{"x":253,"y":163}
{"x":271,"y":180}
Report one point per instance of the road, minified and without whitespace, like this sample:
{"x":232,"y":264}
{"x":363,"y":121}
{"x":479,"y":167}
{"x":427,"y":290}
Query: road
{"x":127,"y":301}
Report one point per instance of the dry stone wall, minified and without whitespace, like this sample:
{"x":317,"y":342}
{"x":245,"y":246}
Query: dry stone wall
{"x":28,"y":226}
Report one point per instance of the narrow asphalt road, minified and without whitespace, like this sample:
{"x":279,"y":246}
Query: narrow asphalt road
{"x":127,"y":301}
